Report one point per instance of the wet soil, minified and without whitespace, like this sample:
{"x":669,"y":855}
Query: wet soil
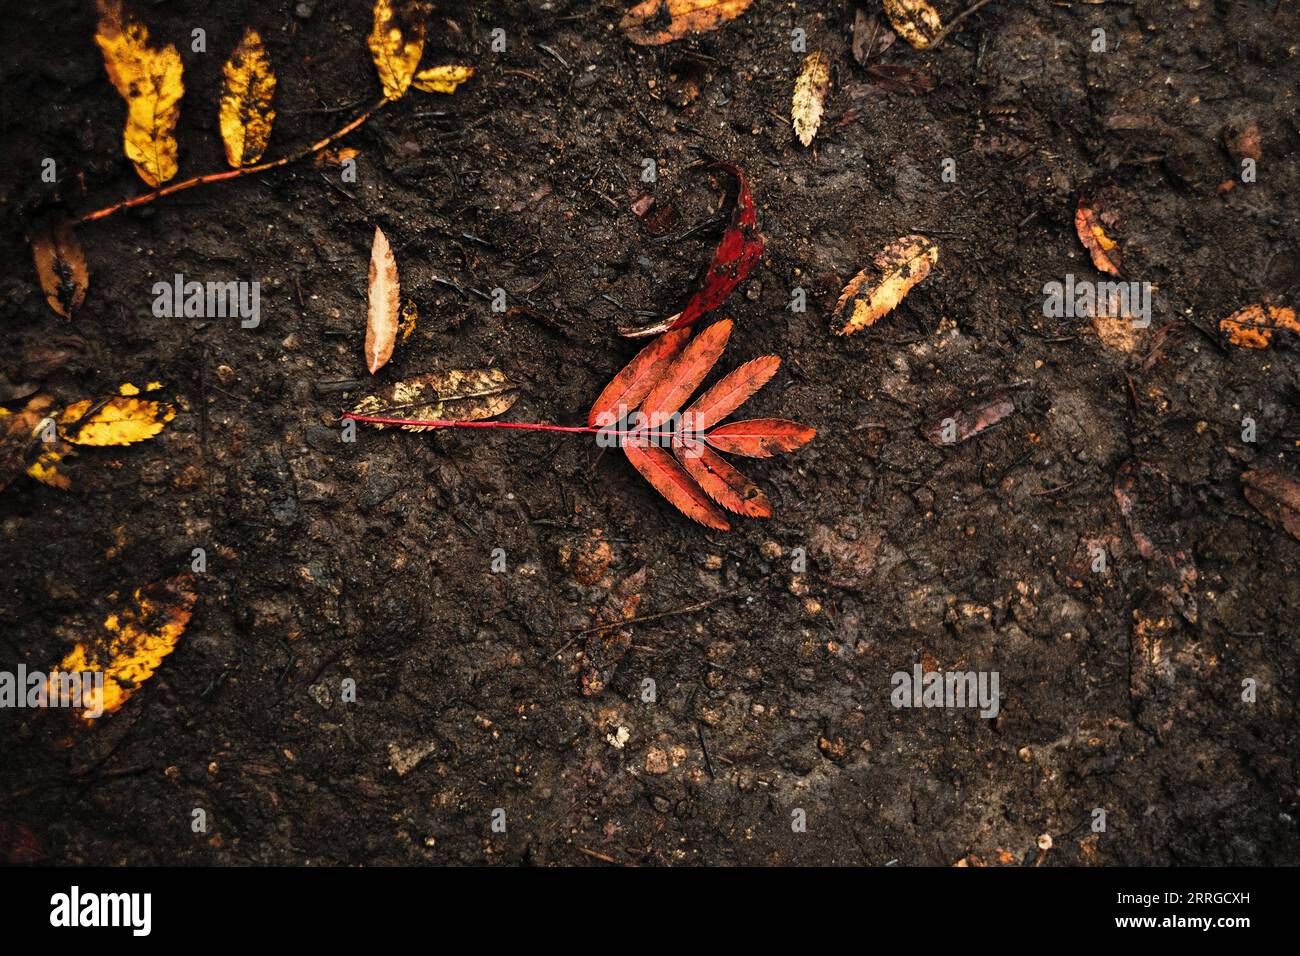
{"x":372,"y":561}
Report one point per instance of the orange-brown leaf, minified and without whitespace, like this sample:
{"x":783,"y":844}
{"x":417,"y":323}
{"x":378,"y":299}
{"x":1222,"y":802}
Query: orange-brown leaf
{"x":731,"y":391}
{"x":61,"y":267}
{"x":721,"y":481}
{"x":659,"y":468}
{"x":683,"y":377}
{"x":385,"y":300}
{"x":760,"y":437}
{"x":1253,"y":327}
{"x":1088,"y":223}
{"x":639,"y":376}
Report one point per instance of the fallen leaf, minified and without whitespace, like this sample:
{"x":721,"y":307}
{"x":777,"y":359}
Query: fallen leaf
{"x":247,"y":87}
{"x":1090,"y":225}
{"x":385,"y":296}
{"x":61,"y":267}
{"x":956,"y":425}
{"x":1253,"y":327}
{"x":868,"y":39}
{"x":149,"y":80}
{"x":20,"y":437}
{"x":809,"y":93}
{"x":760,"y":437}
{"x":737,"y":255}
{"x":899,"y":78}
{"x":1274,"y":495}
{"x":120,"y":420}
{"x":135,"y":640}
{"x":396,"y":43}
{"x":632,"y":384}
{"x":875,"y":293}
{"x":914,"y":20}
{"x":442,"y":79}
{"x":660,"y":21}
{"x":336,"y":157}
{"x":407,"y":320}
{"x":462,"y":395}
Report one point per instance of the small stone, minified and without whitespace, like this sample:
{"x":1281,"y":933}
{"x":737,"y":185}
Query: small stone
{"x":225,"y":374}
{"x":1025,"y":754}
{"x":1045,"y":842}
{"x":656,"y":761}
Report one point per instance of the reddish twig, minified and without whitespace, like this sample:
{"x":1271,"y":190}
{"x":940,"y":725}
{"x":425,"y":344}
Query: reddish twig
{"x":231,"y":173}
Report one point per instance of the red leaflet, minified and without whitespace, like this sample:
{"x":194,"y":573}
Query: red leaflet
{"x":721,"y":481}
{"x":683,"y":377}
{"x":630,"y":386}
{"x":672,"y":481}
{"x":737,"y":255}
{"x":760,"y":437}
{"x":732,"y":391}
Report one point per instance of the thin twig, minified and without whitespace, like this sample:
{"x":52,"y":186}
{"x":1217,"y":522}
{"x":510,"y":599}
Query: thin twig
{"x":231,"y":173}
{"x":943,"y":34}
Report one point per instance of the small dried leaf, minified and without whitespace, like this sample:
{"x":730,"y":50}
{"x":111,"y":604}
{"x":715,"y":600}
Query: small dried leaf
{"x":61,"y":267}
{"x":459,"y":395}
{"x":135,"y":640}
{"x":868,"y":38}
{"x":20,"y":438}
{"x":385,"y":296}
{"x":809,"y":93}
{"x":442,"y":79}
{"x":874,"y":294}
{"x":247,"y":87}
{"x":1089,"y":224}
{"x":1274,"y":495}
{"x":914,"y":20}
{"x":659,"y":21}
{"x":1253,"y":327}
{"x":406,"y":322}
{"x":149,"y":80}
{"x":956,"y":425}
{"x":396,"y":43}
{"x":119,"y":420}
{"x":760,"y":437}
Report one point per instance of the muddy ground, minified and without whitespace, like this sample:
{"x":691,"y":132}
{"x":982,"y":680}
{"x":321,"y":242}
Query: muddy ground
{"x":371,"y":561}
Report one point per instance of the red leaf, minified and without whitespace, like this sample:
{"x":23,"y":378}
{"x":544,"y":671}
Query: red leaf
{"x":739,"y":252}
{"x":721,"y":481}
{"x":731,"y":391}
{"x":760,"y":437}
{"x":683,"y":376}
{"x":659,"y":468}
{"x":630,"y":386}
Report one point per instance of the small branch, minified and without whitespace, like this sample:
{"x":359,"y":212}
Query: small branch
{"x":231,"y":173}
{"x":943,"y":34}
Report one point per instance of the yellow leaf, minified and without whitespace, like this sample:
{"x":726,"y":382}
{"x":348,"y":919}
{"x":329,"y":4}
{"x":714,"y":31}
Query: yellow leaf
{"x":385,"y":300}
{"x":914,"y":20}
{"x":115,"y":421}
{"x":135,"y":640}
{"x":149,"y":80}
{"x":659,"y":21}
{"x":1253,"y":326}
{"x":61,"y":267}
{"x":809,"y":93}
{"x":396,"y":43}
{"x":20,"y":436}
{"x":442,"y":79}
{"x":406,"y":321}
{"x":246,"y":91}
{"x":452,"y":395}
{"x":875,"y":293}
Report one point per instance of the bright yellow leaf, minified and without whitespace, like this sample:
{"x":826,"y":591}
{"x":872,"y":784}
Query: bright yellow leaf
{"x":914,"y":20}
{"x":396,"y":43}
{"x":135,"y":640}
{"x":246,"y":91}
{"x":442,"y":79}
{"x":149,"y":80}
{"x":115,"y":421}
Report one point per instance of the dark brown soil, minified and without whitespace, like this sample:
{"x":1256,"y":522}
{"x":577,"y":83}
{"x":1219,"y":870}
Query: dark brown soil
{"x":371,"y":561}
